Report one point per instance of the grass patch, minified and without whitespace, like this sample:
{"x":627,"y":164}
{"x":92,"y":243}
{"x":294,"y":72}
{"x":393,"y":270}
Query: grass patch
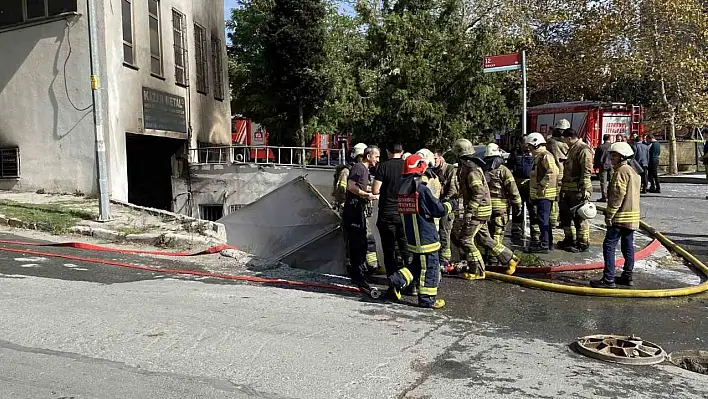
{"x":52,"y":217}
{"x":133,"y":230}
{"x":530,"y":260}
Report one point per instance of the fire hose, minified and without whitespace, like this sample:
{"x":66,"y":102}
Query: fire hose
{"x":526,"y":282}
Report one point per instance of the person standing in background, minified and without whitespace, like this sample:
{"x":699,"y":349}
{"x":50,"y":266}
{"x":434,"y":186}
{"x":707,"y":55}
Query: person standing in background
{"x":603,"y":163}
{"x":388,"y":177}
{"x":641,"y":155}
{"x":654,"y":156}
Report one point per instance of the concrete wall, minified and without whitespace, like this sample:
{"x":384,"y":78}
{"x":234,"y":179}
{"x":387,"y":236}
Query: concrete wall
{"x":56,"y":141}
{"x":241,"y":185}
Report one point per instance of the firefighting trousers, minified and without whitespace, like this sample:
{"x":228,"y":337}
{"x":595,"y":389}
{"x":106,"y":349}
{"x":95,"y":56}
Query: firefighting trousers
{"x":458,"y":225}
{"x":475,"y":235}
{"x":496,"y":226}
{"x":446,"y":224}
{"x":576,"y":229}
{"x":517,"y":221}
{"x":426,"y":269}
{"x":357,"y":245}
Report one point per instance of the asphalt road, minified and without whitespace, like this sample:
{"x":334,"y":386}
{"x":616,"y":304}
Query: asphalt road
{"x":85,"y":330}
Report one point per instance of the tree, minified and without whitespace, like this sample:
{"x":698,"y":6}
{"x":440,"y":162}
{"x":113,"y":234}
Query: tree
{"x":422,"y":72}
{"x":277,"y":61}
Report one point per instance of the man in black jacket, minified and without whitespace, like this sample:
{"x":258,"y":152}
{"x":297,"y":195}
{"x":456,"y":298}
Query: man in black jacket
{"x":654,"y":155}
{"x":603,"y":163}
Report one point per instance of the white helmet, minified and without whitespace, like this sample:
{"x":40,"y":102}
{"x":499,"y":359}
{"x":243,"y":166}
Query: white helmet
{"x":535,"y":139}
{"x":406,"y":155}
{"x":622,"y":148}
{"x":358,"y":150}
{"x":428,"y":156}
{"x":562,"y":124}
{"x":586,"y":211}
{"x":492,"y":150}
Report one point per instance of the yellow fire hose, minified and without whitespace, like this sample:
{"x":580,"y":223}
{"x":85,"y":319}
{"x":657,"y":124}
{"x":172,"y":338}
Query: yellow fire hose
{"x":619,"y":293}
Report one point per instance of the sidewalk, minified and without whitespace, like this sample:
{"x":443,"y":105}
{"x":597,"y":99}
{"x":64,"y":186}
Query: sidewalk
{"x":685,"y":178}
{"x":69,"y":214}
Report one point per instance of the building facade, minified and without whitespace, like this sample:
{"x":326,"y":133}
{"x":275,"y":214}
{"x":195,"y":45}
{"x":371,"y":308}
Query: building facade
{"x":165,"y":90}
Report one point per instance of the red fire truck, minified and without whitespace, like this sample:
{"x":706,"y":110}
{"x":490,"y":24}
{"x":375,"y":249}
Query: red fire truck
{"x":590,"y":118}
{"x":244,"y":134}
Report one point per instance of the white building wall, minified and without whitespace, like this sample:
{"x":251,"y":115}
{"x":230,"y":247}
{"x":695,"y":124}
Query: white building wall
{"x":56,"y":141}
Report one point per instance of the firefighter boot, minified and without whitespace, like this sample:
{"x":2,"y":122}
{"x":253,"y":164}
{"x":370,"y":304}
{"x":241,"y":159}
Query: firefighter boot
{"x":439,"y":304}
{"x":511,"y":267}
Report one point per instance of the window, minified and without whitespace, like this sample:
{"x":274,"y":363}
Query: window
{"x":200,"y":44}
{"x":234,"y":208}
{"x":179,"y":32}
{"x":217,"y":68}
{"x":211,"y":213}
{"x":17,"y":11}
{"x":128,"y":51}
{"x":155,"y":45}
{"x":9,"y":163}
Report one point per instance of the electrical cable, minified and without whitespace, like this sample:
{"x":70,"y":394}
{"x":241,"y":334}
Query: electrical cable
{"x":66,"y":61}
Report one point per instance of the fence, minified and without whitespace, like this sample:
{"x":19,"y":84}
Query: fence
{"x":267,"y":155}
{"x":688,"y":153}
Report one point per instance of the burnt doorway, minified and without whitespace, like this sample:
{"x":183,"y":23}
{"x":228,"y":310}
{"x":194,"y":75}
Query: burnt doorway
{"x":149,"y":161}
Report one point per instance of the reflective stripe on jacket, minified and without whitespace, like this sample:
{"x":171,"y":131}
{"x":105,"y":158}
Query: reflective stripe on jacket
{"x":623,"y":198}
{"x":502,"y":189}
{"x":420,"y":230}
{"x":578,"y":169}
{"x":544,"y":176}
{"x":475,"y":192}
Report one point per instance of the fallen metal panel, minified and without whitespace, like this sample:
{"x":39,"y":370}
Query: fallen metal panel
{"x":324,"y":255}
{"x":282,"y":221}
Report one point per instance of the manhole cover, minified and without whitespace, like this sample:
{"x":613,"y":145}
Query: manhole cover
{"x":620,"y":349}
{"x":691,"y":360}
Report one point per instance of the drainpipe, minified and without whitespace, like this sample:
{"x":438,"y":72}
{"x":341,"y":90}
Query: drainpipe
{"x":104,"y":204}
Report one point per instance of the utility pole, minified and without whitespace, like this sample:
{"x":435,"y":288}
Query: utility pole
{"x":524,"y":119}
{"x":104,"y":203}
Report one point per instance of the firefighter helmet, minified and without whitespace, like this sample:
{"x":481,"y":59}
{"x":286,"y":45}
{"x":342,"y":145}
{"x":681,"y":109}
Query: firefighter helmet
{"x":414,"y":164}
{"x":492,"y":150}
{"x":428,"y":156}
{"x":622,"y":148}
{"x":562,"y":124}
{"x":586,"y":211}
{"x":358,"y":150}
{"x":463,"y":147}
{"x":406,"y":155}
{"x":535,"y":139}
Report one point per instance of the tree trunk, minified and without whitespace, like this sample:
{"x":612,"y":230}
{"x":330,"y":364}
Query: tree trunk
{"x":673,"y":158}
{"x":301,"y":135}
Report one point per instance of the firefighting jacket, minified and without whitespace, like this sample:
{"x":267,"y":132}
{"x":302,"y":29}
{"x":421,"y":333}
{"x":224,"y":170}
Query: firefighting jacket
{"x":502,"y":186}
{"x":577,"y":171}
{"x":544,"y":175}
{"x":448,"y":179}
{"x":474,"y":191}
{"x":623,"y":198}
{"x":559,"y":150}
{"x":418,"y":209}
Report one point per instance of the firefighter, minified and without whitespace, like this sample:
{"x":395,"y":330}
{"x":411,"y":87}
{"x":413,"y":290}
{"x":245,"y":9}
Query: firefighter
{"x":543,"y":187}
{"x":576,"y":189}
{"x":521,"y":165}
{"x":341,"y":175}
{"x":503,"y":192}
{"x":447,"y":173}
{"x":472,"y":229}
{"x":355,"y":215}
{"x":418,"y":209}
{"x":559,"y":149}
{"x":621,"y":217}
{"x":339,"y":192}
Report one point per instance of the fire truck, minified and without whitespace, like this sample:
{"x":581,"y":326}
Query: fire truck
{"x":591,"y":119}
{"x":244,"y":134}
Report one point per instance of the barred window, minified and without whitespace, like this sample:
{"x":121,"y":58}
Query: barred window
{"x":217,"y":68}
{"x":201,"y":59}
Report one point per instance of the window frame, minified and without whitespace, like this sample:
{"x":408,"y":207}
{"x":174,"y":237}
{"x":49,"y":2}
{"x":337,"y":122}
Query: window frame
{"x":201,"y":59}
{"x":133,"y":64}
{"x":158,"y":18}
{"x":217,"y":67}
{"x":182,"y":47}
{"x":34,"y":20}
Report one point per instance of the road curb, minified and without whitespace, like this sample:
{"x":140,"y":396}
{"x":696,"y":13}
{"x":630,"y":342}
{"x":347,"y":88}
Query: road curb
{"x":154,"y":239}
